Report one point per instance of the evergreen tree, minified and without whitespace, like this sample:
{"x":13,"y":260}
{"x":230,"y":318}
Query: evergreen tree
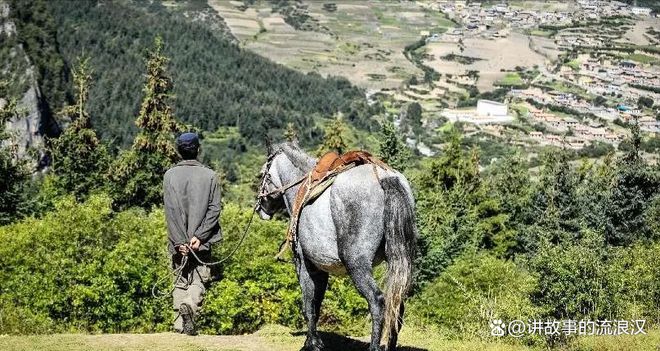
{"x":334,"y":139}
{"x":290,"y":134}
{"x":509,"y":184}
{"x":79,"y":158}
{"x":137,"y":175}
{"x":636,"y":184}
{"x":555,"y":206}
{"x":411,"y":118}
{"x":392,"y":150}
{"x":14,"y":173}
{"x":454,"y":210}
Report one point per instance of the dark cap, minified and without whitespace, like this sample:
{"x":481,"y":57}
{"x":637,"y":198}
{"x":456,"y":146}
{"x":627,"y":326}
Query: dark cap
{"x":188,"y":141}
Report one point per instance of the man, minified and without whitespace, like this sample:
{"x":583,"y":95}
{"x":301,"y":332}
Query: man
{"x":192,"y":208}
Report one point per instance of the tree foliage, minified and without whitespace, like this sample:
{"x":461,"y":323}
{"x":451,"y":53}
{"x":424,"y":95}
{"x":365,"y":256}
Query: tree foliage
{"x":217,"y":83}
{"x":334,"y":138}
{"x":14,"y":171}
{"x":137,"y":174}
{"x":393,"y":150}
{"x":79,"y":159}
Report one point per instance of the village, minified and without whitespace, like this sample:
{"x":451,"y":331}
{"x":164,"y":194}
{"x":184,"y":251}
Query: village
{"x":497,"y":20}
{"x":595,"y":85}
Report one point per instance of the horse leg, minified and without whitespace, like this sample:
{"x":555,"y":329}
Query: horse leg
{"x":394,"y":331}
{"x":313,"y":283}
{"x":360,"y":272}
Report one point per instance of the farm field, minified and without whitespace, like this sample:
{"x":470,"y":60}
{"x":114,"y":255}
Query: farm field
{"x":491,"y":58}
{"x":364,"y":42}
{"x":637,"y":34}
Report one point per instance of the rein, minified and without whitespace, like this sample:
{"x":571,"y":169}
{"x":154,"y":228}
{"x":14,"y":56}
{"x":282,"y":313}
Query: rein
{"x":178,"y":272}
{"x":283,"y":188}
{"x":184,"y":260}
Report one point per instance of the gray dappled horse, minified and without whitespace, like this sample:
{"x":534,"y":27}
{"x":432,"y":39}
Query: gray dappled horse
{"x":361,"y":220}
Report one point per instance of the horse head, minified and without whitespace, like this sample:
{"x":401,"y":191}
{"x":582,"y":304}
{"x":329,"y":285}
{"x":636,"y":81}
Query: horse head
{"x":283,"y":170}
{"x":269,"y":199}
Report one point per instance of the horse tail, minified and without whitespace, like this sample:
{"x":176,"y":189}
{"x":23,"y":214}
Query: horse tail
{"x":400,"y":242}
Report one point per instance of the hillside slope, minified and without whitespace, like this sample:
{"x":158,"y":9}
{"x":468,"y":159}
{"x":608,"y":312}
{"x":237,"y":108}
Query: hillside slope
{"x":20,"y":82}
{"x":216,"y":82}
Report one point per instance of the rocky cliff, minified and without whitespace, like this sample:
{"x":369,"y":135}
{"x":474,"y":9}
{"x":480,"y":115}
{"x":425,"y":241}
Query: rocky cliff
{"x":28,"y":129}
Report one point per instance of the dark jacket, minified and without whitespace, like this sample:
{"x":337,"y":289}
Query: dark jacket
{"x":192,"y":205}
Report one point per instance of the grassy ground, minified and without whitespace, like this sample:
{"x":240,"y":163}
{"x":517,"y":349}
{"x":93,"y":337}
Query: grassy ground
{"x":641,"y":58}
{"x":511,"y":79}
{"x":276,"y":338}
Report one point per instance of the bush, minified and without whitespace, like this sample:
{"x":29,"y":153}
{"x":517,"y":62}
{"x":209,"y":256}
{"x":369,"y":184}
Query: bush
{"x":592,"y":281}
{"x":81,"y":268}
{"x":474,"y":290}
{"x":84,"y":268}
{"x":635,"y":283}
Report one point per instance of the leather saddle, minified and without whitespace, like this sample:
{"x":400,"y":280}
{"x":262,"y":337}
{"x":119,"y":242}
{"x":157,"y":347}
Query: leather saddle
{"x":332,"y":162}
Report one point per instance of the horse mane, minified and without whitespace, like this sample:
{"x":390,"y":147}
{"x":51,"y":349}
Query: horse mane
{"x":300,"y":159}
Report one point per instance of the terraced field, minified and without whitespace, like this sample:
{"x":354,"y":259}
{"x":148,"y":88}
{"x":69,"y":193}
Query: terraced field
{"x":364,"y":41}
{"x":493,"y":57}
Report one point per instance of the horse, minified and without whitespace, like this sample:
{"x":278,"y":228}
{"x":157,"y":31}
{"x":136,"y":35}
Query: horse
{"x":364,"y":218}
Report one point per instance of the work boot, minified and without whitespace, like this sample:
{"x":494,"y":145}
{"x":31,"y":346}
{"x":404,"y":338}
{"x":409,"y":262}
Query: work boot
{"x":186,"y":313}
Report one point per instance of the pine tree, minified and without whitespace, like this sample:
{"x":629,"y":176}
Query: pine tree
{"x":411,"y":118}
{"x":555,"y":200}
{"x":14,"y":172}
{"x":636,"y":185}
{"x":79,"y":158}
{"x":392,"y":150}
{"x":290,"y":134}
{"x":334,"y":139}
{"x":137,"y":174}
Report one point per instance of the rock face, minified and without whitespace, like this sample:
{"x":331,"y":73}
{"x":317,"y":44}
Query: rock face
{"x":27,"y":128}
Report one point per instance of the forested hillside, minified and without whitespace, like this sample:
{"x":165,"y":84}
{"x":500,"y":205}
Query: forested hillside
{"x":216,"y":82}
{"x":85,"y":241}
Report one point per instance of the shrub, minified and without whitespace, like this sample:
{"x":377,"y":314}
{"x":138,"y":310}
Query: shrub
{"x":635,"y":283}
{"x":84,"y":268}
{"x":593,"y":281}
{"x":474,"y":290}
{"x":81,"y":268}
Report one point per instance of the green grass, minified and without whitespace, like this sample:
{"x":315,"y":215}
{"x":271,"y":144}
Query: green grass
{"x":565,"y":87}
{"x":278,"y":338}
{"x":542,"y":33}
{"x":574,"y":64}
{"x":641,"y":58}
{"x":521,"y":110}
{"x":511,"y":79}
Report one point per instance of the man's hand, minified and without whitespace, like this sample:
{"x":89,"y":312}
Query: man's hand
{"x":183,"y":249}
{"x":194,"y":243}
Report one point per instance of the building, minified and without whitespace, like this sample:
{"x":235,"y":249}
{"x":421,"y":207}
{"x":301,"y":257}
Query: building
{"x":628,"y":64}
{"x":492,"y":108}
{"x":641,"y":11}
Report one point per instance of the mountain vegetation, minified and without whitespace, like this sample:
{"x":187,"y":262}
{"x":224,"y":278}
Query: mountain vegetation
{"x":13,"y":170}
{"x":84,"y":243}
{"x":137,"y":173}
{"x":217,"y":82}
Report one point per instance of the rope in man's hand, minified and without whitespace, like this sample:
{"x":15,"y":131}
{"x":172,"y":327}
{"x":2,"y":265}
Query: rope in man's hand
{"x":191,"y":248}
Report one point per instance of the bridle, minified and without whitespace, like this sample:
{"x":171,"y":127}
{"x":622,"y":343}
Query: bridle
{"x":266,"y":180}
